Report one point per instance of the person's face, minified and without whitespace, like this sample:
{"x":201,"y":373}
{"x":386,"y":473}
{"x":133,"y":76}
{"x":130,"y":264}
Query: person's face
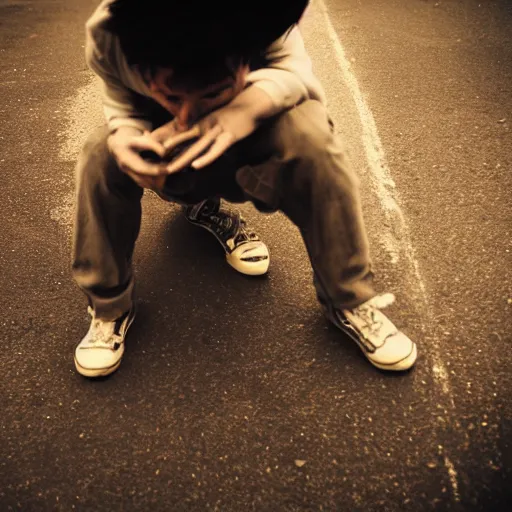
{"x":188,"y":106}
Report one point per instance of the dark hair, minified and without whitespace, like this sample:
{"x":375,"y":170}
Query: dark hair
{"x":198,"y":37}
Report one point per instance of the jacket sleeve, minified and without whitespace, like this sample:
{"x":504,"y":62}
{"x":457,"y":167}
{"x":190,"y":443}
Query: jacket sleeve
{"x":287,"y":75}
{"x":104,"y":57}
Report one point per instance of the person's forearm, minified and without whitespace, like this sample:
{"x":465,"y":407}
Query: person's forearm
{"x":257,"y":103}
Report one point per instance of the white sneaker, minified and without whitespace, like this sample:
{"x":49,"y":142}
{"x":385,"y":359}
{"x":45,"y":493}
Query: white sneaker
{"x":244,"y":250}
{"x":382,"y":343}
{"x":102,"y":348}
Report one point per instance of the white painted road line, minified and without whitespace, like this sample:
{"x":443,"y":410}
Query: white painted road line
{"x":383,"y":183}
{"x":397,"y":242}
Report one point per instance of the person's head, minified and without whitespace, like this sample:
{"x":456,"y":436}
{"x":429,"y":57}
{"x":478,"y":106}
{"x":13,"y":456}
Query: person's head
{"x":195,"y":54}
{"x":187,"y":98}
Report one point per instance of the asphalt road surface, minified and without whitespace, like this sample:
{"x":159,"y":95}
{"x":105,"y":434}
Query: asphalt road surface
{"x":235,"y":393}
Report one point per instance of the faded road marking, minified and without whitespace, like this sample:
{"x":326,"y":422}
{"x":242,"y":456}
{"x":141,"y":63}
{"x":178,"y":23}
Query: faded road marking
{"x":83,"y":112}
{"x":397,"y":240}
{"x":453,"y":477}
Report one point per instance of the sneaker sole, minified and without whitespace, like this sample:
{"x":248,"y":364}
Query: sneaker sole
{"x":397,"y":366}
{"x":97,"y":372}
{"x":402,"y":365}
{"x":103,"y":372}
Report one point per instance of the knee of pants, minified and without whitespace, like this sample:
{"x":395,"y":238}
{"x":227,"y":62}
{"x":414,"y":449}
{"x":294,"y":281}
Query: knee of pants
{"x":96,"y":165}
{"x":304,"y":128}
{"x":304,"y":134}
{"x":304,"y":158}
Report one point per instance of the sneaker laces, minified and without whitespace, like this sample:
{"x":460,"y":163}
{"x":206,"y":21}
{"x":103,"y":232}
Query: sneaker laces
{"x":207,"y":208}
{"x":223,"y":219}
{"x":370,"y":322}
{"x":245,"y":234}
{"x":229,"y":222}
{"x":225,"y":222}
{"x":101,"y":333}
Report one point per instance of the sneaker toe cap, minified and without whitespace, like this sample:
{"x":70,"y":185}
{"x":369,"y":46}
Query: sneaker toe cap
{"x":397,"y":353}
{"x":97,"y":359}
{"x":251,"y":258}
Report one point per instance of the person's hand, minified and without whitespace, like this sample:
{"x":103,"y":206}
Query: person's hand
{"x":219,"y":130}
{"x":166,"y":132}
{"x":126,"y":145}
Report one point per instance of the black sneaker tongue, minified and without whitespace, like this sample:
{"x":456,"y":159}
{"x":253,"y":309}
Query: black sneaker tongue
{"x":211,"y":207}
{"x":207,"y":207}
